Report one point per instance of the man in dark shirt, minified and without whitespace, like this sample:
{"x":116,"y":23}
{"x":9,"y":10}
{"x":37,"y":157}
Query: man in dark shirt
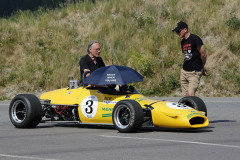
{"x":194,"y":59}
{"x":92,"y":60}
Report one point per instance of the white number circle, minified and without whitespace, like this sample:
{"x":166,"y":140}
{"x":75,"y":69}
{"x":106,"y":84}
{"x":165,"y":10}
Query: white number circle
{"x":177,"y":106}
{"x":89,"y":106}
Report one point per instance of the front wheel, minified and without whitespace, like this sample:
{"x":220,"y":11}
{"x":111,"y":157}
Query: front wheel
{"x":194,"y":102}
{"x":127,"y":116}
{"x":25,"y":111}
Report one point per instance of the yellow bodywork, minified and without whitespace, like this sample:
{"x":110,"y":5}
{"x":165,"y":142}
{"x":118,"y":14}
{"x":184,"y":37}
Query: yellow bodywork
{"x":96,"y":107}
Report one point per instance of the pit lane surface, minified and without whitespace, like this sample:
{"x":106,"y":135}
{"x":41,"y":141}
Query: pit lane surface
{"x":221,"y":140}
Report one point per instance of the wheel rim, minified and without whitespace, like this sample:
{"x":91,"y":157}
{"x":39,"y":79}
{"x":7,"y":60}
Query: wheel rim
{"x":19,"y":111}
{"x":122,"y":116}
{"x":188,"y":104}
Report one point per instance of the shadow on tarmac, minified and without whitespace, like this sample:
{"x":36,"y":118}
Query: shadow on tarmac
{"x":179,"y":130}
{"x":221,"y":121}
{"x":142,"y":130}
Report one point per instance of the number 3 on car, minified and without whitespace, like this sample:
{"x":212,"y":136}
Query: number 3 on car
{"x":89,"y":106}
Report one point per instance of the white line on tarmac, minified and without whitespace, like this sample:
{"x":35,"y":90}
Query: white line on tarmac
{"x":25,"y":157}
{"x":4,"y":104}
{"x":222,"y":101}
{"x":168,"y":140}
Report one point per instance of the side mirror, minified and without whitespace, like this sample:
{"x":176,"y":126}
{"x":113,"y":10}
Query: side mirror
{"x":131,"y":88}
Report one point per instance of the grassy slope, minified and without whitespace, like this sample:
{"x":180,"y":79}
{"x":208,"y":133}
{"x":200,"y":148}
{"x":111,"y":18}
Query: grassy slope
{"x":40,"y":50}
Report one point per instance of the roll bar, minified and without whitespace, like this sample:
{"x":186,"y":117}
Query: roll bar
{"x":83,"y":77}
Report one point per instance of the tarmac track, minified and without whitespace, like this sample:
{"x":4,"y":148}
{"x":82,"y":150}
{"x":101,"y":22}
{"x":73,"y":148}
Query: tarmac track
{"x":51,"y":141}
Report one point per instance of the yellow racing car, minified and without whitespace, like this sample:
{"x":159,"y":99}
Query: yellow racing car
{"x":119,"y":105}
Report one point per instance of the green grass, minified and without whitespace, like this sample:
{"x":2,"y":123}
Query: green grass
{"x":41,"y":49}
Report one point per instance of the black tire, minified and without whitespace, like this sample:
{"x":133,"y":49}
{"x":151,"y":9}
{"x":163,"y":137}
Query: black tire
{"x":127,"y":116}
{"x":194,"y":102}
{"x":25,"y":111}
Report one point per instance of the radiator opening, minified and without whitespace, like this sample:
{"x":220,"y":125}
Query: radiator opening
{"x":196,"y":120}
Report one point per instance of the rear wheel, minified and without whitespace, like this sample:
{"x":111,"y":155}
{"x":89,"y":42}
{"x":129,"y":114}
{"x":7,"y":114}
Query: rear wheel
{"x":127,"y":116}
{"x":194,"y":102}
{"x":25,"y":111}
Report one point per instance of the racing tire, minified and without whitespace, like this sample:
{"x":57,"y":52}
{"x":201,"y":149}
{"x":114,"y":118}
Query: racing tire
{"x":25,"y":111}
{"x":194,"y":102}
{"x":127,"y":116}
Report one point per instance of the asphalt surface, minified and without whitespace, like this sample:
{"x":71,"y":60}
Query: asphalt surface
{"x":51,"y":141}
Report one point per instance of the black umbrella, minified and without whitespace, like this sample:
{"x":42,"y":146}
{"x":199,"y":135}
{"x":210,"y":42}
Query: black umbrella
{"x":113,"y":75}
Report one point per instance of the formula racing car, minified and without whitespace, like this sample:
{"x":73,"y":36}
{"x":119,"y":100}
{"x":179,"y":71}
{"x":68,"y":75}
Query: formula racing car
{"x":109,"y":104}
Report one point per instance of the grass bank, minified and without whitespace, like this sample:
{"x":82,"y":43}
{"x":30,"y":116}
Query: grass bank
{"x":41,"y":49}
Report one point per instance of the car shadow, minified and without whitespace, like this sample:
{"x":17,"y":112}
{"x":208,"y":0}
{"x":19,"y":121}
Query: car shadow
{"x":222,"y":121}
{"x":48,"y":126}
{"x":88,"y":126}
{"x":179,"y":130}
{"x":141,"y":130}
